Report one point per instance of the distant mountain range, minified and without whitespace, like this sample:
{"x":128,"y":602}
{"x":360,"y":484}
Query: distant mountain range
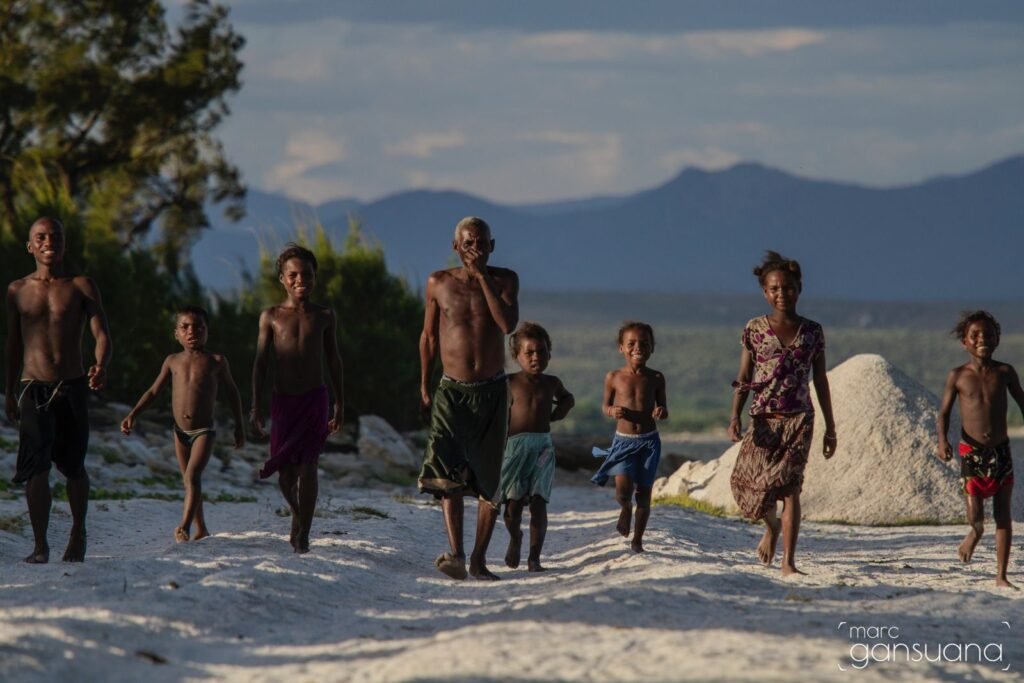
{"x":951,"y":237}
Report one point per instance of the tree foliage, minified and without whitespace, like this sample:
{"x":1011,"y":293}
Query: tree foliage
{"x":100,"y":98}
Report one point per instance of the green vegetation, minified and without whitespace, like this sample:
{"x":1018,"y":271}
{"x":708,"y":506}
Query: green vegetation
{"x":225,"y":497}
{"x":367,"y":511}
{"x":14,"y":524}
{"x":167,"y":481}
{"x":109,"y":454}
{"x":684,"y":500}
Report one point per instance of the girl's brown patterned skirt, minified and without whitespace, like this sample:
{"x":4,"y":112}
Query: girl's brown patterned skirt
{"x":771,"y":462}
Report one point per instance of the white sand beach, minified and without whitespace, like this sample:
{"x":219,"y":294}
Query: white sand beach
{"x":367,"y":605}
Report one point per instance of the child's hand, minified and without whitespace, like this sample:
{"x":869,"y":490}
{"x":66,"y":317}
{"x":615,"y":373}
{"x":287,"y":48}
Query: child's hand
{"x":828,"y":447}
{"x":735,"y":429}
{"x":659,"y":413}
{"x":618,"y":412}
{"x":945,"y":452}
{"x":127,"y":424}
{"x":97,"y":377}
{"x":337,"y":419}
{"x":239,"y":436}
{"x":256,"y":422}
{"x":425,"y":403}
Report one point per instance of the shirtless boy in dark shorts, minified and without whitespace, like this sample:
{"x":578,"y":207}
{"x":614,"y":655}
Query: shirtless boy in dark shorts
{"x":46,"y":314}
{"x":303,"y":338}
{"x":986,"y":466}
{"x":194,"y":374}
{"x":469,"y":310}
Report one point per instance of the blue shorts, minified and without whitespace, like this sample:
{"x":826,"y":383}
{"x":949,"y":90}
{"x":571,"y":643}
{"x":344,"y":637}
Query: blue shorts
{"x":636,"y":456}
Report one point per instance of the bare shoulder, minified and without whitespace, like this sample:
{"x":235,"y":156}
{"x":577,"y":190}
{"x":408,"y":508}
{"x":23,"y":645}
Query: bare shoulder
{"x":503,"y":274}
{"x":16,"y":286}
{"x":85,"y":284}
{"x":269,"y":313}
{"x":654,"y":374}
{"x":1007,"y":369}
{"x":612,"y":375}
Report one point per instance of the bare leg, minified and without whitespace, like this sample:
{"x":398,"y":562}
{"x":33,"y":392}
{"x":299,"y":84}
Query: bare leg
{"x":1004,"y":534}
{"x":309,"y":489}
{"x":181,"y":453}
{"x":513,"y":522}
{"x":453,"y":563}
{"x":538,"y":529}
{"x":790,"y":531}
{"x":976,"y":521}
{"x":196,"y":463}
{"x":37,"y":494}
{"x":78,"y":500}
{"x":288,"y":482}
{"x":486,"y":516}
{"x":766,"y":548}
{"x":624,"y":495}
{"x":643,"y":513}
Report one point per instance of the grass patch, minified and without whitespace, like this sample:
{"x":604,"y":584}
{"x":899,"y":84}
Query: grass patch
{"x":282,"y":512}
{"x":5,"y":485}
{"x":8,"y":444}
{"x":903,"y":521}
{"x":225,"y":497}
{"x":369,"y":512}
{"x":14,"y":524}
{"x":167,"y":481}
{"x":396,"y":477}
{"x":109,"y":454}
{"x":684,"y":500}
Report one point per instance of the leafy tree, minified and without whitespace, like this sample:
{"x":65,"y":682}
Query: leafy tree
{"x":100,"y":98}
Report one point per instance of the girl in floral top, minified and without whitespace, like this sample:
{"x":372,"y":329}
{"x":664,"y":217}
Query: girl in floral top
{"x":782,"y":353}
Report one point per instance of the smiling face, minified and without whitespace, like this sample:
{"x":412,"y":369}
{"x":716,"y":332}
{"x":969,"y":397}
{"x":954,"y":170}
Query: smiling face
{"x":636,"y":347}
{"x":533,"y":356}
{"x":980,"y":339}
{"x":190,"y":331}
{"x":46,"y":242}
{"x":298,"y":277}
{"x":781,"y":290}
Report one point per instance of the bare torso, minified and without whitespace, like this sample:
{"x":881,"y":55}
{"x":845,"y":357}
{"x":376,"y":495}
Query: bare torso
{"x":297,"y":340}
{"x":983,"y":403}
{"x":532,"y":402}
{"x":471,"y":343}
{"x":52,"y":314}
{"x":637,"y":392}
{"x":194,"y":379}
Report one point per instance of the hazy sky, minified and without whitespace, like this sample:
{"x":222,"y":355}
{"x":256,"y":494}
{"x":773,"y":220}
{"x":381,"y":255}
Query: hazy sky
{"x":535,"y":100}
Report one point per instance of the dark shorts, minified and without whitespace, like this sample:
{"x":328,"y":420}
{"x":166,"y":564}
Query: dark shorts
{"x":984,"y":471}
{"x":468,"y":428}
{"x":54,"y":428}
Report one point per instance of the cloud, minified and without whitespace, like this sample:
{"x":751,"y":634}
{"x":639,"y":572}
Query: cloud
{"x":308,"y":151}
{"x":714,"y":44}
{"x":707,"y":158}
{"x":590,"y":156}
{"x":423,"y":145}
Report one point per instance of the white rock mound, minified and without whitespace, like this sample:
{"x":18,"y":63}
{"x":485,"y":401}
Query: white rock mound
{"x":885,"y":470}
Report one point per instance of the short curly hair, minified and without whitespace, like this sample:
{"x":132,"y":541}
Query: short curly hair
{"x":528,"y":330}
{"x":968,"y":317}
{"x":292,"y":250}
{"x":639,"y":327}
{"x":773,"y":261}
{"x":195,"y":311}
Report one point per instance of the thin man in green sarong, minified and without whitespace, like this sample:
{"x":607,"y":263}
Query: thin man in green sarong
{"x":469,"y":310}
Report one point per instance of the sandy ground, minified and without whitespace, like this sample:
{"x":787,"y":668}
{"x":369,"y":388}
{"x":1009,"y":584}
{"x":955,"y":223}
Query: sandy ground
{"x":367,"y":605}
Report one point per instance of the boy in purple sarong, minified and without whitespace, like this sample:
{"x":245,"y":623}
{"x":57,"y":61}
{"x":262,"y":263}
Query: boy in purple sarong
{"x":303,"y":337}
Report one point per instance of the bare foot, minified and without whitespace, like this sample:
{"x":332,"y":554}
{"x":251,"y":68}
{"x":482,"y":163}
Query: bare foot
{"x":302,"y":543}
{"x":201,"y":532}
{"x":515,"y":545}
{"x":534,"y":566}
{"x":451,"y":566}
{"x":1003,"y":583}
{"x":293,"y":537}
{"x":625,"y":518}
{"x":180,"y":535}
{"x":75,"y":552}
{"x":766,"y":548}
{"x":480,"y":572}
{"x":637,"y":546}
{"x":790,"y":569}
{"x":970,"y":542}
{"x":39,"y":555}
